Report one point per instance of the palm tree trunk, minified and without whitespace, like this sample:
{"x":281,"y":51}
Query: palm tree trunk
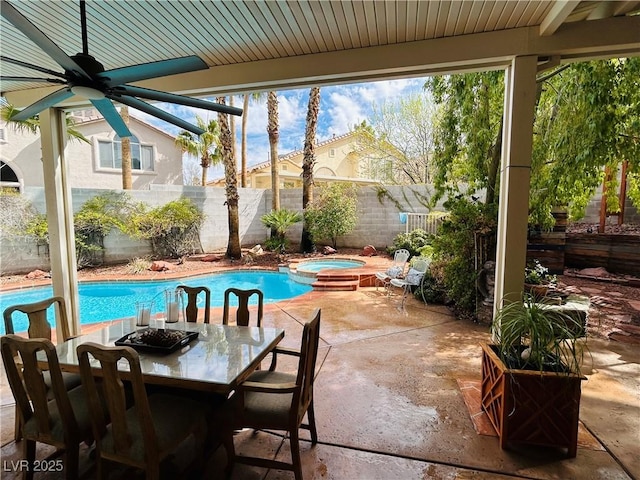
{"x":308,"y":162}
{"x":272,"y":130}
{"x":231,"y":185}
{"x":245,"y":111}
{"x":125,"y":143}
{"x":232,"y":129}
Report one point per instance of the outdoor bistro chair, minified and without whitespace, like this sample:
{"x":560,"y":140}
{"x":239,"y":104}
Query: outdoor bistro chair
{"x":278,"y":401}
{"x":156,"y":428}
{"x":396,"y":270}
{"x":48,"y":412}
{"x":39,"y":328}
{"x":413,"y":278}
{"x":242,"y":313}
{"x":191,"y":309}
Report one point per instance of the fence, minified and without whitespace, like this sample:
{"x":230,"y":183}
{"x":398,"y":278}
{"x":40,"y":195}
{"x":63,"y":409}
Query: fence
{"x":428,"y":222}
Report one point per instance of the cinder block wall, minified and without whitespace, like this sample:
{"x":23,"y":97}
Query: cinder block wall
{"x":379,"y":220}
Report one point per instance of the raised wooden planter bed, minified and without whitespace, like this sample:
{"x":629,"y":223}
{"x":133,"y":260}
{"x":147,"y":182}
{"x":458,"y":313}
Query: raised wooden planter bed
{"x":530,"y":407}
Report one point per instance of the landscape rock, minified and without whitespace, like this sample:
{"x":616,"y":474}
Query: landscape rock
{"x":369,"y":251}
{"x":327,"y":250}
{"x":211,"y":258}
{"x":161,"y":266}
{"x":37,"y":274}
{"x":594,"y":272}
{"x":257,"y":250}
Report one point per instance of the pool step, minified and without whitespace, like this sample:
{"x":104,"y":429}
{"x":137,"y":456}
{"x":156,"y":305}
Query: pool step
{"x":336,"y":281}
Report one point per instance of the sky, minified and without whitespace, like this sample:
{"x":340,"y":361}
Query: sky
{"x":341,"y":107}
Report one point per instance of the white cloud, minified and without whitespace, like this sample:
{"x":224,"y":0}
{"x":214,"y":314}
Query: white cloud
{"x":341,"y":107}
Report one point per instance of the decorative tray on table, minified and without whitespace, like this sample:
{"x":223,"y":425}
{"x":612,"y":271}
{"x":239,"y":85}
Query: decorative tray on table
{"x":157,"y":340}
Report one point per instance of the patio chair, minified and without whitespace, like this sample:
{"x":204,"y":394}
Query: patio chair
{"x":278,"y":401}
{"x":191,"y":310}
{"x":396,"y":270}
{"x":48,"y":412}
{"x":242,"y":313}
{"x":412,"y":279}
{"x":159,"y":432}
{"x":39,"y":328}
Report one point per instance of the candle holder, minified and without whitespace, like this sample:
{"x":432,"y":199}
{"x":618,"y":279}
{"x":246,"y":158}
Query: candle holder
{"x":174,"y":305}
{"x":143,"y":313}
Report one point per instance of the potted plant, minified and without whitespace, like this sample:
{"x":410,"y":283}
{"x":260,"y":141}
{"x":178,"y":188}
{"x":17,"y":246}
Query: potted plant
{"x":531,"y":376}
{"x":537,"y":279}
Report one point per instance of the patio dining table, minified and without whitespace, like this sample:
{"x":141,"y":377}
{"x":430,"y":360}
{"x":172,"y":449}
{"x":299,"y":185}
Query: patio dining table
{"x":220,"y":358}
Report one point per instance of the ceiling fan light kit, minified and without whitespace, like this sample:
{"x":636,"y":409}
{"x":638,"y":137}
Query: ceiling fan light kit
{"x":86,"y":77}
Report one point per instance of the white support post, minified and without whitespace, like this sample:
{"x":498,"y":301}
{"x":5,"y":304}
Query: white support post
{"x":62,"y":247}
{"x":517,"y":140}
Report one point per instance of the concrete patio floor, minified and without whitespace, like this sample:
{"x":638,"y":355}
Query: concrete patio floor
{"x":388,"y":404}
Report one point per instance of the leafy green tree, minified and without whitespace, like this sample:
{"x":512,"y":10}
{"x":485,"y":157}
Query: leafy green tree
{"x":333,"y":212}
{"x":587,"y":117}
{"x":397,"y":144}
{"x":206,"y":146}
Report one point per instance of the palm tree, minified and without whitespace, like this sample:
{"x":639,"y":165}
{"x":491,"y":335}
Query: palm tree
{"x":245,"y":110}
{"x":308,"y":162}
{"x":272,"y":129}
{"x":231,"y":184}
{"x":32,"y":124}
{"x":205,"y":146}
{"x":125,"y":143}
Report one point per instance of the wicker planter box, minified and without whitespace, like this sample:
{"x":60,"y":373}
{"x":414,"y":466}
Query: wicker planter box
{"x":530,"y":407}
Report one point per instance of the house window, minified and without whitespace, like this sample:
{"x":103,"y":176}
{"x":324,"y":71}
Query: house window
{"x":8,"y":178}
{"x":332,"y":152}
{"x":284,"y":167}
{"x":110,"y":154}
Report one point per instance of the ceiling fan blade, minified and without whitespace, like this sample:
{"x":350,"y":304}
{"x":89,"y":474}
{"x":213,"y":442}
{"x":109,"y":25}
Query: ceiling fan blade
{"x":156,"y":112}
{"x":145,"y":71}
{"x":34,"y":34}
{"x":173,"y":98}
{"x":31,"y":66}
{"x":111,"y":115}
{"x":31,"y":79}
{"x":44,"y":103}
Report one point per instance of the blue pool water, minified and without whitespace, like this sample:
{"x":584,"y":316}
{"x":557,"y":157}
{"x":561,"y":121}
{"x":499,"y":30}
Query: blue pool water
{"x":317,"y":265}
{"x":104,"y":301}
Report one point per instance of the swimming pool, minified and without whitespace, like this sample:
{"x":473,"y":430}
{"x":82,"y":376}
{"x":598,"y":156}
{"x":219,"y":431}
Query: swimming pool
{"x":317,"y":265}
{"x":104,"y":301}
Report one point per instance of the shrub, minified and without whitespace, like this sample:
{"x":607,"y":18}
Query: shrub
{"x":455,"y":248}
{"x":413,"y":241}
{"x":333,"y":212}
{"x":95,"y":219}
{"x":138,"y":265}
{"x":280,"y":221}
{"x":173,"y":228}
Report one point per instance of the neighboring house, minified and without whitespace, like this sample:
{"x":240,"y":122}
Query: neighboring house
{"x":337,"y":160}
{"x":155,"y":158}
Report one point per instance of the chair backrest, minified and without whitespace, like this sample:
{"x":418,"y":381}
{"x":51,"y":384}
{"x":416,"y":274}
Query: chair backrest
{"x":242,"y":314}
{"x":401,"y":256}
{"x":37,"y":313}
{"x":29,"y":389}
{"x":417,"y":271}
{"x":307,"y":364}
{"x":115,"y":399}
{"x":191,"y":309}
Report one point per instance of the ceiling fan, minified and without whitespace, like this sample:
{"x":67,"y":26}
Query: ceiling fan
{"x":86,"y":77}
